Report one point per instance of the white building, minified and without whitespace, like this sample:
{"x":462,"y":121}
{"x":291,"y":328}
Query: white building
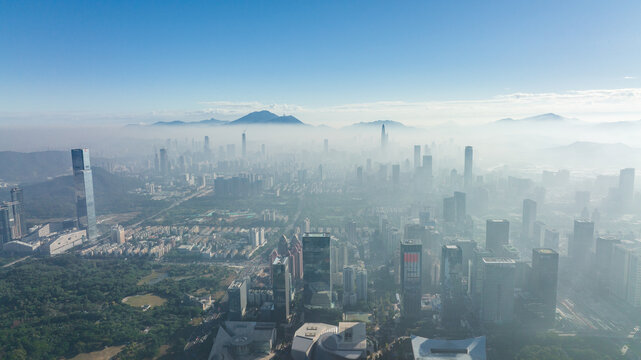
{"x":318,"y":341}
{"x":433,"y":349}
{"x":60,"y":243}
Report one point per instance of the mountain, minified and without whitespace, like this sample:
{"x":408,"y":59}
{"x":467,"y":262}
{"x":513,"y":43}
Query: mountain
{"x":266,"y":117}
{"x":547,"y":119}
{"x":256,"y":118}
{"x":211,"y":121}
{"x":595,"y":155}
{"x":389,"y":124}
{"x":19,"y":167}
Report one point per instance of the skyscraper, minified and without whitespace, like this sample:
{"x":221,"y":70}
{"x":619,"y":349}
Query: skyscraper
{"x":83,"y":183}
{"x":467,"y":172}
{"x":411,"y":277}
{"x":281,"y":286}
{"x":361,"y":284}
{"x":237,"y":295}
{"x":529,"y":217}
{"x":451,"y":283}
{"x":581,"y":243}
{"x":461,"y":212}
{"x":383,"y":137}
{"x":20,"y":221}
{"x":317,"y":269}
{"x":206,"y":147}
{"x":497,"y":302}
{"x":626,"y":187}
{"x":449,"y":209}
{"x":326,"y":146}
{"x":244,"y":144}
{"x":5,"y":225}
{"x":497,"y":234}
{"x":417,"y":157}
{"x":545,"y":271}
{"x":164,"y":162}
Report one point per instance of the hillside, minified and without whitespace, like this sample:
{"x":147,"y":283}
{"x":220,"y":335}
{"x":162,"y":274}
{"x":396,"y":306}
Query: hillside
{"x":18,"y":167}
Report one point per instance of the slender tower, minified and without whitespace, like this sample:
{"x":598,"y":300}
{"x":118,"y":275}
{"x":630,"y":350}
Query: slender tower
{"x":244,"y":144}
{"x":383,"y":138}
{"x":467,"y":174}
{"x":83,"y":183}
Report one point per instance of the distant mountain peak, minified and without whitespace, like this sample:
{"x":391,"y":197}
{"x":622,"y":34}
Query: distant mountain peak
{"x":266,"y":117}
{"x":548,"y":117}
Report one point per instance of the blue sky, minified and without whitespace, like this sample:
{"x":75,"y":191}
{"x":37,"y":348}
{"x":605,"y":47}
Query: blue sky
{"x":123,"y":60}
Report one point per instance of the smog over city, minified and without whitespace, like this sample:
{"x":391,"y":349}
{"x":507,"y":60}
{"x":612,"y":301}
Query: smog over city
{"x":320,"y":180}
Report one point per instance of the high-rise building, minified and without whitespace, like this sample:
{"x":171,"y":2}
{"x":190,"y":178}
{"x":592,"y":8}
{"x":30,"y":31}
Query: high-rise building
{"x":164,"y":162}
{"x":604,"y":250}
{"x":317,"y":269}
{"x":326,"y":146}
{"x":529,"y":217}
{"x":349,"y":279}
{"x":417,"y":157}
{"x":281,"y":286}
{"x":449,"y":209}
{"x":5,"y":225}
{"x":626,"y":187}
{"x":497,"y":303}
{"x":118,"y":234}
{"x":544,"y":278}
{"x":83,"y":183}
{"x":237,"y":294}
{"x":581,"y":243}
{"x":411,"y":276}
{"x":461,"y":212}
{"x":244,"y":144}
{"x":451,"y":283}
{"x":359,"y":175}
{"x":467,"y":172}
{"x":20,"y":220}
{"x":467,"y":249}
{"x":206,"y":147}
{"x":361,"y":284}
{"x":497,"y":234}
{"x":383,"y":137}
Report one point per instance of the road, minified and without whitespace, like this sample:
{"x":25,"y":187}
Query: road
{"x":15,"y":262}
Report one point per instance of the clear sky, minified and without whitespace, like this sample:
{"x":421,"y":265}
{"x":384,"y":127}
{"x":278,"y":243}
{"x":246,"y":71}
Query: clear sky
{"x":137,"y":60}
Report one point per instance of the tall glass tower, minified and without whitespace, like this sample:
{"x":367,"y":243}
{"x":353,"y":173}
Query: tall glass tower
{"x":83,"y":184}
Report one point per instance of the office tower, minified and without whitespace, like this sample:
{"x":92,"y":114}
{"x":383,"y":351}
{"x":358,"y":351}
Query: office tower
{"x":350,"y":229}
{"x":475,"y":275}
{"x":411,"y":276}
{"x":156,"y":162}
{"x":164,"y":162}
{"x":231,"y":151}
{"x":449,"y":209}
{"x":361,"y":284}
{"x":467,"y":172}
{"x":317,"y":267}
{"x":349,"y":279}
{"x":626,"y":187}
{"x":359,"y":175}
{"x":497,"y":302}
{"x":237,"y":294}
{"x":545,"y":271}
{"x":538,"y":231}
{"x":244,"y":144}
{"x":206,"y":147}
{"x":603,"y":254}
{"x":497,"y":234}
{"x":20,"y":221}
{"x":459,"y":200}
{"x":262,"y":149}
{"x":5,"y":225}
{"x":396,"y":174}
{"x":467,"y":250}
{"x":529,"y":217}
{"x":83,"y":183}
{"x":118,"y":234}
{"x":382,"y":172}
{"x":308,"y":225}
{"x":451,"y":283}
{"x":424,"y":218}
{"x":581,"y":243}
{"x":427,"y":167}
{"x":281,"y":286}
{"x":326,"y":146}
{"x":383,"y":137}
{"x":417,"y":157}
{"x":581,"y":200}
{"x":551,"y":239}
